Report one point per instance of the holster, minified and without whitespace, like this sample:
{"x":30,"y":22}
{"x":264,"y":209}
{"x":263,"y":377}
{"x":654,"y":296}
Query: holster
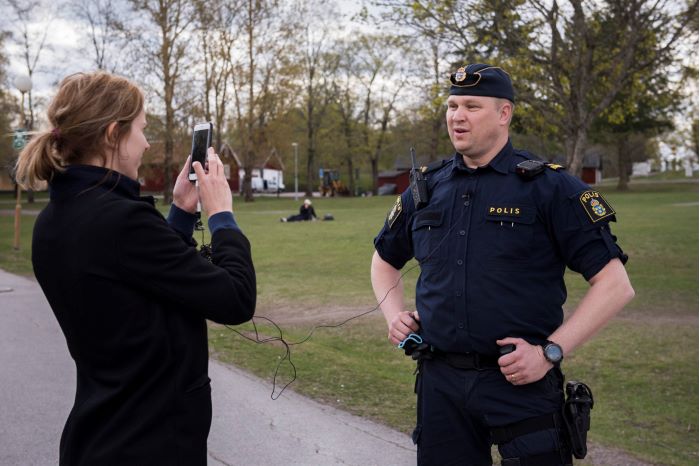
{"x":577,"y":416}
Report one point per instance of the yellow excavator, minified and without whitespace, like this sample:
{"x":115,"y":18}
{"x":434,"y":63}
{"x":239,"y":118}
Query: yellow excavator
{"x":331,"y":184}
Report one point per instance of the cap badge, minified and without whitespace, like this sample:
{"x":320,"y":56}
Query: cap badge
{"x":460,"y":75}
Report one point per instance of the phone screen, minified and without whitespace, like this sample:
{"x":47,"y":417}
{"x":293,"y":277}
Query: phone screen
{"x":201,"y":139}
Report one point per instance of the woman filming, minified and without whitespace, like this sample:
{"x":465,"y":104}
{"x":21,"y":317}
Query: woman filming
{"x":129,"y":289}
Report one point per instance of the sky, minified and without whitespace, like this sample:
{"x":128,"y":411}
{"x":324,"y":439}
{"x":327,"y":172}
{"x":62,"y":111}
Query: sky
{"x":67,"y":48}
{"x":66,"y":41}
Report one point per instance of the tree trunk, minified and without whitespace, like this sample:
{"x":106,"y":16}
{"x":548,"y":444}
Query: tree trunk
{"x":575,"y":151}
{"x":311,"y":155}
{"x":351,"y":177}
{"x":168,"y":155}
{"x":375,"y":175}
{"x":311,"y":152}
{"x":247,"y":186}
{"x":624,"y":161}
{"x":435,"y":137}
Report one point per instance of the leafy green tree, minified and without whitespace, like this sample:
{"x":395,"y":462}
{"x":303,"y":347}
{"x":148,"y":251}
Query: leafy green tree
{"x":318,"y":63}
{"x":374,"y":63}
{"x":638,"y":113}
{"x":8,"y":107}
{"x":569,"y":59}
{"x":164,"y":58}
{"x":261,"y":80}
{"x":572,"y":60}
{"x":217,"y":27}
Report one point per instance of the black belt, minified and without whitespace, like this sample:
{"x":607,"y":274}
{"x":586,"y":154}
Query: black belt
{"x":471,"y":361}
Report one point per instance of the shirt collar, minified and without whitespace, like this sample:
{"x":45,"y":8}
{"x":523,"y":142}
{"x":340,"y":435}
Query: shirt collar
{"x":77,"y":179}
{"x":499,"y":163}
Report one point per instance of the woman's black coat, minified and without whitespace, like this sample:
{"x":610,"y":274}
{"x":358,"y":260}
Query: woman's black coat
{"x":131,"y":296}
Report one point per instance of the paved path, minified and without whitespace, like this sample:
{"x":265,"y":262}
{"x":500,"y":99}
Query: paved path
{"x":37,"y":383}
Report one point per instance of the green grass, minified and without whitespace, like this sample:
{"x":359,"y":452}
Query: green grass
{"x":18,"y":261}
{"x":643,"y":368}
{"x":645,"y":382}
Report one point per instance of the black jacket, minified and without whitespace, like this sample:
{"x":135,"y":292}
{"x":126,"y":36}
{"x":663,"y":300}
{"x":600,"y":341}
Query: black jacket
{"x":131,"y":296}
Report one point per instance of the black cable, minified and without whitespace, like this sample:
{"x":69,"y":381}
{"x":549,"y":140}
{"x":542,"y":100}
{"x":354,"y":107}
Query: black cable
{"x":287,"y":345}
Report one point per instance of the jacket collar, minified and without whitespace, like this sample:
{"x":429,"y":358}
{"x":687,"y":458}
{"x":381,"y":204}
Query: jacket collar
{"x":78,"y":179}
{"x":499,"y":163}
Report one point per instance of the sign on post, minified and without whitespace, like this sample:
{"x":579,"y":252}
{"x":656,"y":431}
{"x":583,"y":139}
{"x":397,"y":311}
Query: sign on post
{"x":20,"y":139}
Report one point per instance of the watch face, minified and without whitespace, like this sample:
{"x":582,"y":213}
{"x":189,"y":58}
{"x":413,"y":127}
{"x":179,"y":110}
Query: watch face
{"x":553,"y":352}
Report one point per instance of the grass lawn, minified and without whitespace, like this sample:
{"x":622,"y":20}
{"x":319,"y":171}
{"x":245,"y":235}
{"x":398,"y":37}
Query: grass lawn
{"x":643,"y":368}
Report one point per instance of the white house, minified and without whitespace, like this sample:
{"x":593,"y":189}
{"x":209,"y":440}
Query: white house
{"x":269,"y":178}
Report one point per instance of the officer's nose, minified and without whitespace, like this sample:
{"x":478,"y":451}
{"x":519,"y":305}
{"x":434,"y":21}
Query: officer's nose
{"x":459,"y":114}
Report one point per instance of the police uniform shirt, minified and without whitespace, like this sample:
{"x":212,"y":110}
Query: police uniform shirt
{"x":493,"y":247}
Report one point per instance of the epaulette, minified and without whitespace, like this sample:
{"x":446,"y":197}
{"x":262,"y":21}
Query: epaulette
{"x":433,"y":166}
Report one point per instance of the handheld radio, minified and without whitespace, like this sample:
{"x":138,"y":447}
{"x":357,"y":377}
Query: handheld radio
{"x":419,"y":185}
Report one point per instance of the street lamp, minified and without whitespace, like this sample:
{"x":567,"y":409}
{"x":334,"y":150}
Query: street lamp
{"x":296,"y":170}
{"x":23,"y":83}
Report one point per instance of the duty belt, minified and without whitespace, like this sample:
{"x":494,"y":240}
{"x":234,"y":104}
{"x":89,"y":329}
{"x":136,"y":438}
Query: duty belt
{"x":470,"y":361}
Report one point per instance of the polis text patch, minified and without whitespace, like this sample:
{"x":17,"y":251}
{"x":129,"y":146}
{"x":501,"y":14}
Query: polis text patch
{"x":505,"y":211}
{"x":595,"y":206}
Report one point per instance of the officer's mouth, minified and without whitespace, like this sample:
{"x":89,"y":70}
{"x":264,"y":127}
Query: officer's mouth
{"x":460,"y":131}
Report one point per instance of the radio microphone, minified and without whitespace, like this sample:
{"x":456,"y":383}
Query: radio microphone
{"x":419,"y":185}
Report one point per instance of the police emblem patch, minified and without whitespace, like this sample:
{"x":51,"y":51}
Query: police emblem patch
{"x":394,"y":213}
{"x":595,"y":206}
{"x":460,"y":75}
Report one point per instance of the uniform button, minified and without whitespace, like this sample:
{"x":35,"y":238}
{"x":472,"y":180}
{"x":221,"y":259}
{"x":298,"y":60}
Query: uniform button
{"x":459,"y":262}
{"x":462,"y":232}
{"x":466,"y":203}
{"x":460,"y":325}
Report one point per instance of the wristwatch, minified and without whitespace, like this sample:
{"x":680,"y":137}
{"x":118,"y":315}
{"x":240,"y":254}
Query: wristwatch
{"x":553,"y":353}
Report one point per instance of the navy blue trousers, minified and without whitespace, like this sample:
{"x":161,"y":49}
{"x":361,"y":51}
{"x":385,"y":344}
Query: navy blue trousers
{"x":457,"y":408}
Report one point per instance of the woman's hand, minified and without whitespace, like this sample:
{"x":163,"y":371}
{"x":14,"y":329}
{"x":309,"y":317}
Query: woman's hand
{"x":214,"y":192}
{"x":185,"y":193}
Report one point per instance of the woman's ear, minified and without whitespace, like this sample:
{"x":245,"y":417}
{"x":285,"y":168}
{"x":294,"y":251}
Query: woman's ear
{"x":111,"y":135}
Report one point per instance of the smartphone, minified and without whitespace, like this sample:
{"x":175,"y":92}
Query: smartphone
{"x":201,"y":141}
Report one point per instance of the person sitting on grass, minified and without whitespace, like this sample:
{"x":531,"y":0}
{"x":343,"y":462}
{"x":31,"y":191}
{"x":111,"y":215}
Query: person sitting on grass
{"x":306,"y":212}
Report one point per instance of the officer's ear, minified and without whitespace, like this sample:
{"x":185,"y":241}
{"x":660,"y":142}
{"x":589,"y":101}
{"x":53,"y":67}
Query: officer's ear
{"x":505,"y":111}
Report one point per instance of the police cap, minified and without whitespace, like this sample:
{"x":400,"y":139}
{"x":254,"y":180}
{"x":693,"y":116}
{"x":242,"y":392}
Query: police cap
{"x":482,"y":80}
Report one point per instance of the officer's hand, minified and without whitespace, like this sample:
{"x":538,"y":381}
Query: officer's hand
{"x":525,"y":365}
{"x":403,"y":324}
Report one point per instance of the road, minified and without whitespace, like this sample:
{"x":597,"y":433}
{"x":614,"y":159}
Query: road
{"x":38,"y":382}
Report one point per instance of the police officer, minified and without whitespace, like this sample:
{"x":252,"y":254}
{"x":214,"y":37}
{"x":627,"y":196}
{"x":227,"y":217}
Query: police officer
{"x":493,"y":242}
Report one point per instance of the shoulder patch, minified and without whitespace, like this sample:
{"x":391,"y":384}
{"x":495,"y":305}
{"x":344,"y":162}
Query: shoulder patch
{"x":394,"y":213}
{"x":595,"y":206}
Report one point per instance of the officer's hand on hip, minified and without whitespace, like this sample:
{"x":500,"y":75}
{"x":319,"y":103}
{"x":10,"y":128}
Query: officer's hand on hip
{"x":525,"y":365}
{"x":402,"y":325}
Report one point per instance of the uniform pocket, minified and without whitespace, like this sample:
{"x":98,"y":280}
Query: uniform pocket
{"x":512,"y":230}
{"x":427,"y":231}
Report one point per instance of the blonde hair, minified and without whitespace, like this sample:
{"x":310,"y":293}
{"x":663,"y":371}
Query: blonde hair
{"x":80,"y":114}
